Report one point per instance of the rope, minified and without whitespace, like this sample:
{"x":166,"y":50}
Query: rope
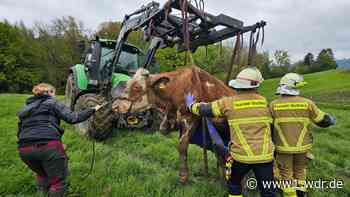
{"x":250,"y":53}
{"x":185,"y":28}
{"x":254,"y":42}
{"x":235,"y":58}
{"x":263,"y":35}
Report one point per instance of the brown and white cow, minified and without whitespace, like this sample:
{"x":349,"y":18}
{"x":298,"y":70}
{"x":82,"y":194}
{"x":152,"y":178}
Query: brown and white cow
{"x":167,"y":91}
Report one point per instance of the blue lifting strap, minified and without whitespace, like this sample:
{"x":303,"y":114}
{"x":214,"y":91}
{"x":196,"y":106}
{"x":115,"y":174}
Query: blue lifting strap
{"x":216,"y":139}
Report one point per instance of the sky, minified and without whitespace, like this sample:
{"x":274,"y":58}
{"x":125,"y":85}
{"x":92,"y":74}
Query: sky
{"x":298,"y":26}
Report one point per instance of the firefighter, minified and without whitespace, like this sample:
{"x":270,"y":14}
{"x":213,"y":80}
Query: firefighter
{"x":39,"y":138}
{"x":293,"y":115}
{"x":249,"y":119}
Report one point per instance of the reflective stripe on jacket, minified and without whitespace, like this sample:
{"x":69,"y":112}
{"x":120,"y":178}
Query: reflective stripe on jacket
{"x":293,"y":116}
{"x":249,"y":120}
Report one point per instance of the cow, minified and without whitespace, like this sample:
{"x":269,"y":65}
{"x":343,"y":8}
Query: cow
{"x":166,"y":91}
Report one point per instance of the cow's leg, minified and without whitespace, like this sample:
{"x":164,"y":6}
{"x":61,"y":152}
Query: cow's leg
{"x":164,"y":126}
{"x":182,"y":148}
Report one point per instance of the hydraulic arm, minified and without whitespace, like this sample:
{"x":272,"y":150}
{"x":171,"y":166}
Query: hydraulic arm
{"x":165,"y":28}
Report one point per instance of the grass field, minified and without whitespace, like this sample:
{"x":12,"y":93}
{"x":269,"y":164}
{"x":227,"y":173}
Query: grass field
{"x":139,"y":164}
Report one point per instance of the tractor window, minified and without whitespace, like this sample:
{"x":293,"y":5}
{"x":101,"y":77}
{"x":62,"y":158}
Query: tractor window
{"x":128,"y":61}
{"x":106,"y":55}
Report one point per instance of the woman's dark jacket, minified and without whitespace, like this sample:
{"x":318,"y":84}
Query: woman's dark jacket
{"x":39,"y":119}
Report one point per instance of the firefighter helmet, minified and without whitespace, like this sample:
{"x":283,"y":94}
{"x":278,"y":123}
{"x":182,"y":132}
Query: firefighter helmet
{"x":293,"y":80}
{"x":248,"y":78}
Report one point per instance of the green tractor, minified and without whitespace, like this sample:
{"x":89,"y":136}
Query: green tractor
{"x":90,"y":83}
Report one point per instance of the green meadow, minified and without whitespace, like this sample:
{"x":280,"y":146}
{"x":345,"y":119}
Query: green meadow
{"x":139,"y":164}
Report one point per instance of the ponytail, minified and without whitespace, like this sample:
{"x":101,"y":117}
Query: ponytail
{"x":43,"y":88}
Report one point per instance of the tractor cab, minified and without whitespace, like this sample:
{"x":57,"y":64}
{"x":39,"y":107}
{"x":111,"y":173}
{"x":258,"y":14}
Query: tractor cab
{"x":99,"y":55}
{"x":132,"y":58}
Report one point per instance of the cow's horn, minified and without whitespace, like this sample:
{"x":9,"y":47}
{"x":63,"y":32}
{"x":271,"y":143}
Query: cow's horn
{"x":145,"y":73}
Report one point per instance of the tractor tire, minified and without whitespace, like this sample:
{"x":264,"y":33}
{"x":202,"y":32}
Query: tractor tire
{"x":83,"y":102}
{"x":100,"y":125}
{"x":70,"y":91}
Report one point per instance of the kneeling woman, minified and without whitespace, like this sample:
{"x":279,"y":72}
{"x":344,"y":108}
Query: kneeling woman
{"x":39,"y":138}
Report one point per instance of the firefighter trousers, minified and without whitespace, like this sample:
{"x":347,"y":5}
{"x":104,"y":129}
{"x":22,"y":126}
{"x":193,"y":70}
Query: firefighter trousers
{"x":263,"y":173}
{"x":293,"y":167}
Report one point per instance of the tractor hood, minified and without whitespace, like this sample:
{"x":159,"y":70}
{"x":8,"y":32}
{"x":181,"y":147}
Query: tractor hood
{"x":119,"y":77}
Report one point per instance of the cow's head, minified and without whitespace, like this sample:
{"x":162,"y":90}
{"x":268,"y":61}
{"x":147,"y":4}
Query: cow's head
{"x":142,"y":92}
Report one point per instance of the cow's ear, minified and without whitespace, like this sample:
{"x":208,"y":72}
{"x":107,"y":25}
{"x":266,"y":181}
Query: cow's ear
{"x":160,"y":84}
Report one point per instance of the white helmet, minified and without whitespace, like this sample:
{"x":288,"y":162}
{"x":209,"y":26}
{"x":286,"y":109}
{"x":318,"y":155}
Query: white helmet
{"x":293,"y":80}
{"x":248,"y":78}
{"x":290,"y":84}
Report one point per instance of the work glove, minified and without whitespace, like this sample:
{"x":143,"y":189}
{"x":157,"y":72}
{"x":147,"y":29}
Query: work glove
{"x":189,"y":99}
{"x":332,"y":119}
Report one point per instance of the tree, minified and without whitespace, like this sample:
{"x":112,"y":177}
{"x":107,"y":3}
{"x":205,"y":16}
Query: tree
{"x":42,"y":53}
{"x":281,"y":64}
{"x":282,"y":58}
{"x":325,"y":61}
{"x":300,"y":67}
{"x":59,"y":48}
{"x":213,"y":58}
{"x":109,"y":29}
{"x":17,"y":73}
{"x":309,"y":59}
{"x":263,"y":62}
{"x":169,"y":59}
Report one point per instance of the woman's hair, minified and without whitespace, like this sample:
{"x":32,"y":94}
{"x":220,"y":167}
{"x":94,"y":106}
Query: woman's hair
{"x":43,"y":88}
